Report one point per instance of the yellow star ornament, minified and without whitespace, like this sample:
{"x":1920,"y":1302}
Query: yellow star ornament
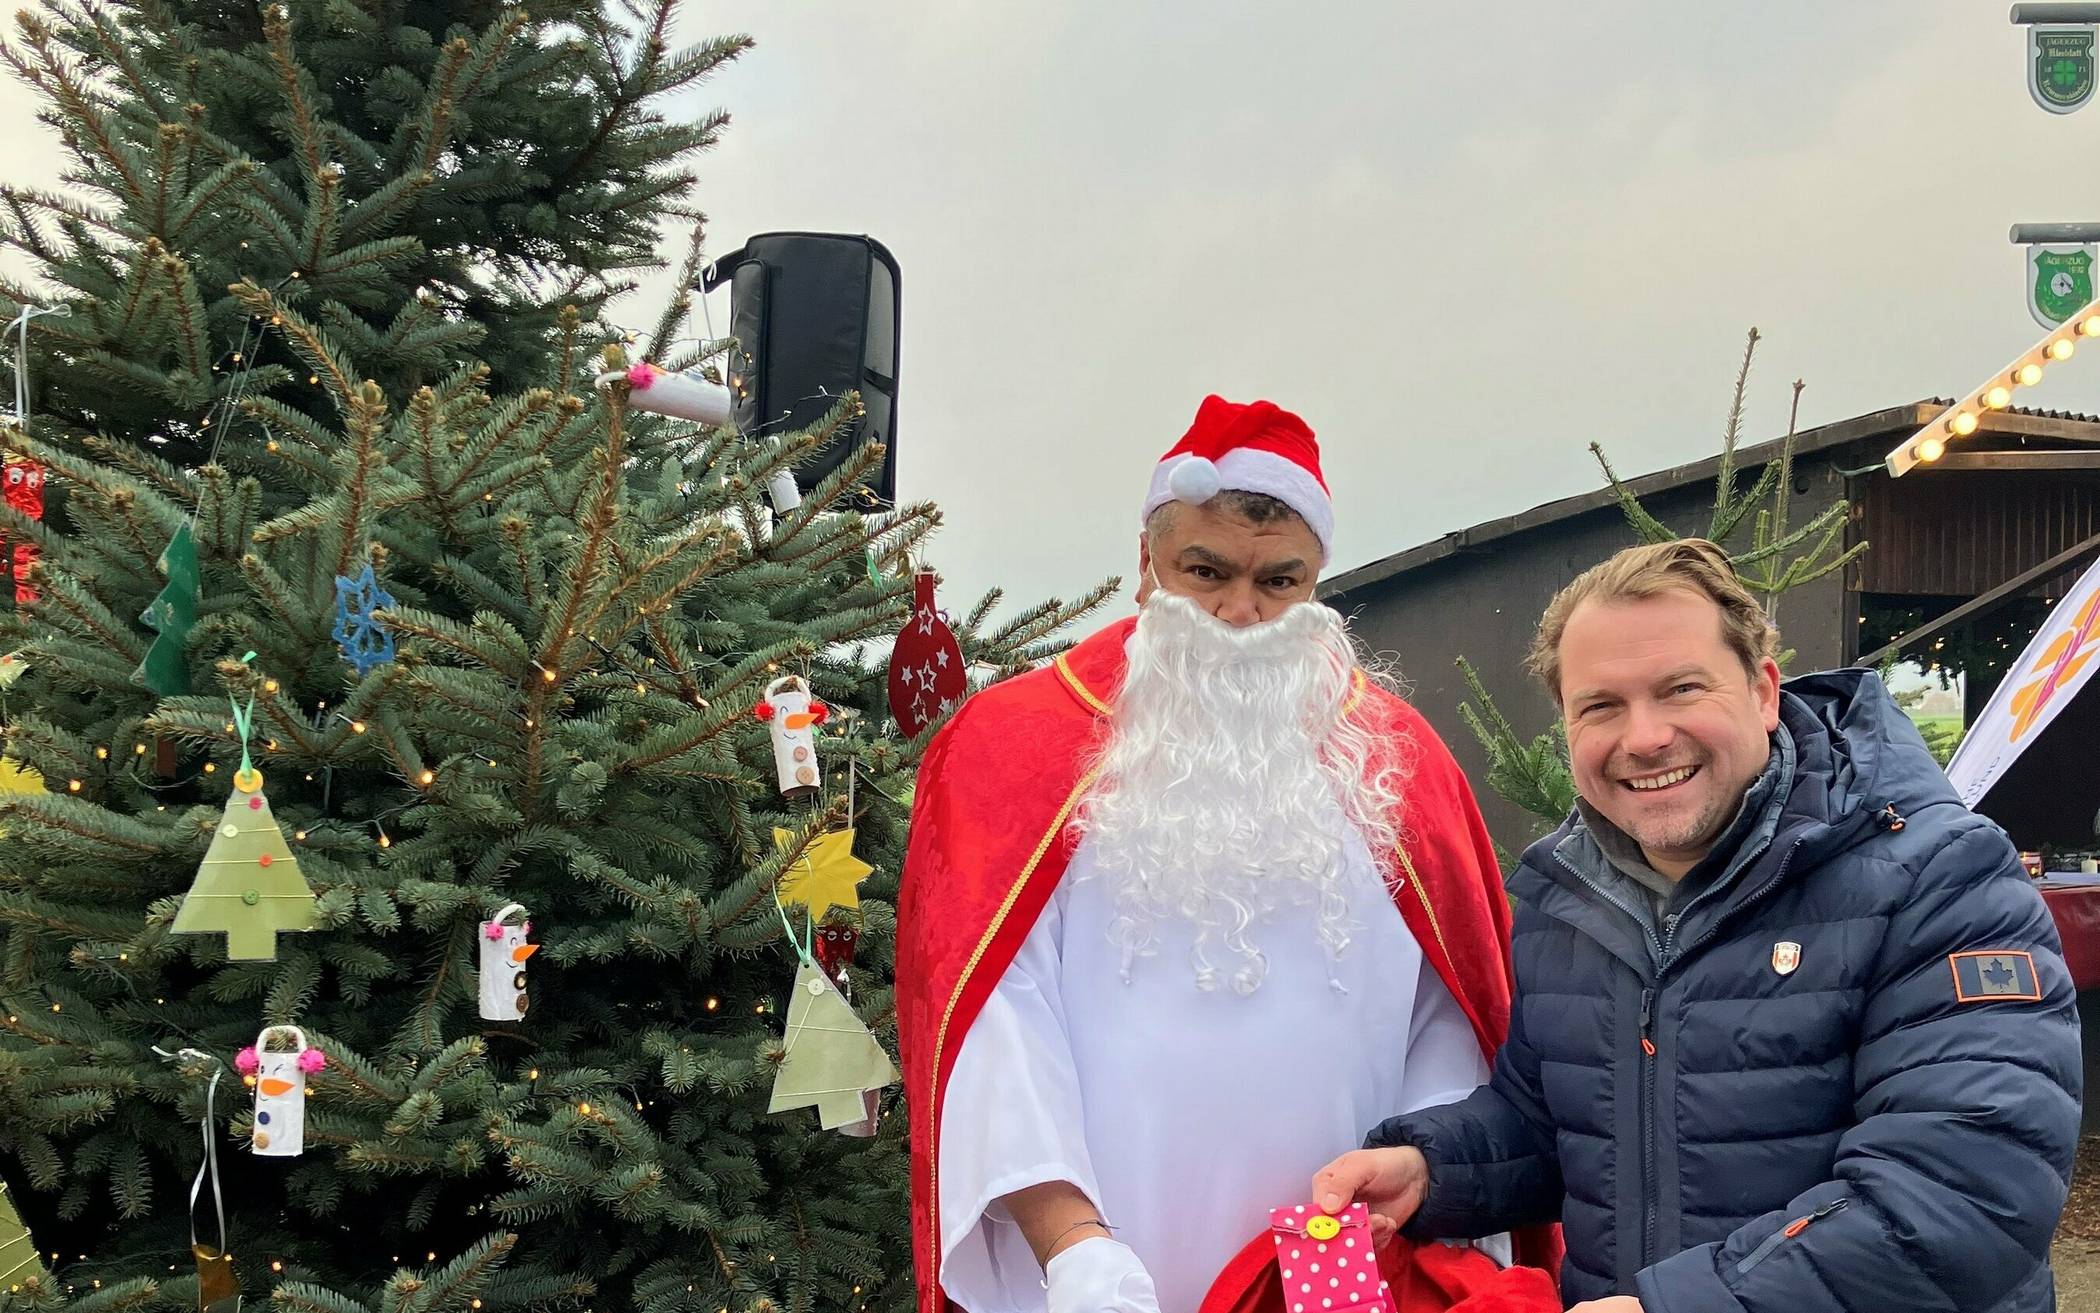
{"x":827,"y":875}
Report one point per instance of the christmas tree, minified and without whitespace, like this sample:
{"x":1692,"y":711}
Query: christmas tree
{"x":430,"y":181}
{"x":583,"y":605}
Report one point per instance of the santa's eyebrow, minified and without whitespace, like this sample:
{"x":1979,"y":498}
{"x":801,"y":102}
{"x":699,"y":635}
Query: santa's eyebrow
{"x":1295,"y":565}
{"x":1207,"y":556}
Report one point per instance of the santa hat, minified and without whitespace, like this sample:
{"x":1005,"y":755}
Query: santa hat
{"x":1256,"y":447}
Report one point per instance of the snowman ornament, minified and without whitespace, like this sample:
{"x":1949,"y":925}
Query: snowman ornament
{"x":278,"y":1077}
{"x":504,"y":951}
{"x":794,"y":716}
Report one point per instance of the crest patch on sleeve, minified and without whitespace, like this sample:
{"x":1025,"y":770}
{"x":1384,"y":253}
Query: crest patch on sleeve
{"x":1999,"y":975}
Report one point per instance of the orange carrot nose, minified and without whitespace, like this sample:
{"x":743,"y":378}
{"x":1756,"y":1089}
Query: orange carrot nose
{"x":274,"y":1087}
{"x":799,"y":719}
{"x":523,"y":951}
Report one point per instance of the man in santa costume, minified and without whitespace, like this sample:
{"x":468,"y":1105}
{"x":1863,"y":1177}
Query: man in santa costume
{"x":1183,"y":915}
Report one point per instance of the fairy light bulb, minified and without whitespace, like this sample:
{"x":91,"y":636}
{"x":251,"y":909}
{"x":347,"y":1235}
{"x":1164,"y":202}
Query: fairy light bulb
{"x":2089,"y":326}
{"x":357,"y":727}
{"x":74,"y":786}
{"x":1931,"y":449}
{"x":2027,"y":375}
{"x":1963,"y":423}
{"x":1998,"y":398}
{"x":101,"y":753}
{"x":427,"y":778}
{"x":2061,"y":348}
{"x":270,"y":686}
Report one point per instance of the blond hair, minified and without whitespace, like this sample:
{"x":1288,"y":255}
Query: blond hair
{"x":1691,"y":565}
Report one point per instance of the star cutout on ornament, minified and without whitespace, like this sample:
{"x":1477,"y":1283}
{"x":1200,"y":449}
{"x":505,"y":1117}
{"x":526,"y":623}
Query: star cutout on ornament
{"x":827,"y":875}
{"x":926,"y":621}
{"x":364,"y":640}
{"x":942,"y":657}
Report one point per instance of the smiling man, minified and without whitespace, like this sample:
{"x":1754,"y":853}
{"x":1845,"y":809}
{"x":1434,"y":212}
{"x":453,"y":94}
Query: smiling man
{"x":1793,"y":1033}
{"x":1182,"y":914}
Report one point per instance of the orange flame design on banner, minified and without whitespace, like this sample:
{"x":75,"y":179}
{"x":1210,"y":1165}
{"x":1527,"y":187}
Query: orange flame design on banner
{"x":2061,"y":661}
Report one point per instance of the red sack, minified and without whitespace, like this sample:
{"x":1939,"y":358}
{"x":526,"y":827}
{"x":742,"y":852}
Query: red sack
{"x":1425,"y":1278}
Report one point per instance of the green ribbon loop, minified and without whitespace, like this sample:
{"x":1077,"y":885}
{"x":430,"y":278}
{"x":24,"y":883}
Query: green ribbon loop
{"x":244,"y":720}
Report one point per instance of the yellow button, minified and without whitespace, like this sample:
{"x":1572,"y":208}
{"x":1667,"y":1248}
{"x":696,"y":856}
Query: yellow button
{"x":1323,"y":1227}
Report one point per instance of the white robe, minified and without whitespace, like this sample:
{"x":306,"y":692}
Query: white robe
{"x":1184,"y":1115}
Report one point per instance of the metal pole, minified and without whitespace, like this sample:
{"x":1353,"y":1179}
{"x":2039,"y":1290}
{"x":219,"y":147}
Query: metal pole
{"x":2074,"y":234}
{"x":2024,"y":14}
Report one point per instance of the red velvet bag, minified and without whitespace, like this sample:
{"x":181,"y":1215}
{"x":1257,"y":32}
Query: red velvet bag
{"x":1421,"y":1278}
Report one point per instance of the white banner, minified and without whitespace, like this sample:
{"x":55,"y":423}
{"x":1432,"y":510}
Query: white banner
{"x":2042,"y":683}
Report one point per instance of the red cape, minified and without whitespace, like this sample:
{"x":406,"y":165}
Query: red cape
{"x":990,"y":839}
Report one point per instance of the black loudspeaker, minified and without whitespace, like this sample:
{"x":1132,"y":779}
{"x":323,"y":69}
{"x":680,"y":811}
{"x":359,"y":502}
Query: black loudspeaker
{"x":815,"y":315}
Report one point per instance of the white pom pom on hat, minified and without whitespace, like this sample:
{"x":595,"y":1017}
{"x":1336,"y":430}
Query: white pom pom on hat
{"x":1195,"y":480}
{"x":1246,"y":447}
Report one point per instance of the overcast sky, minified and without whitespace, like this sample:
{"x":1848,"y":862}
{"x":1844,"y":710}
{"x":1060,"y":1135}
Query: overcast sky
{"x":1463,"y":240}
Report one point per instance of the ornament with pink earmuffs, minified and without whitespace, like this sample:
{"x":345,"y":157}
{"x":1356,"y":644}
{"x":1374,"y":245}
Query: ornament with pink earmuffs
{"x":794,"y":716}
{"x":278,"y":1077}
{"x":504,"y":952}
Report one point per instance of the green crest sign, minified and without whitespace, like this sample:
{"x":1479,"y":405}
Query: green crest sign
{"x":2060,"y":66}
{"x":2059,"y":282}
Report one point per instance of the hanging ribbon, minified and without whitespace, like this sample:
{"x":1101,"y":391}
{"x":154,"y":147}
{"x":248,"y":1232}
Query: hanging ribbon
{"x":208,"y":1169}
{"x":244,"y":721}
{"x":21,"y":327}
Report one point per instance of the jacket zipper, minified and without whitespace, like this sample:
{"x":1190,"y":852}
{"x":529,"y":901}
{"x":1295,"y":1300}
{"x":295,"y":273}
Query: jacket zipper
{"x":1786,"y":1233}
{"x":1650,"y":1172}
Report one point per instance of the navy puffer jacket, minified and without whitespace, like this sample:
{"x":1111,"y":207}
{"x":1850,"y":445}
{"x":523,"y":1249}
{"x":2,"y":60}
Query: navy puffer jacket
{"x":1888,"y":1124}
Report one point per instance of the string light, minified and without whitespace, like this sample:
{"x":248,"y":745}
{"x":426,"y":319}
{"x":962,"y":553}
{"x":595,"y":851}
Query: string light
{"x":584,"y":1108}
{"x":357,"y":727}
{"x":300,"y":835}
{"x":534,"y":1074}
{"x":211,"y":768}
{"x":73,"y":786}
{"x":2061,"y":348}
{"x":101,"y":753}
{"x":2027,"y":375}
{"x":713,"y":1003}
{"x":1931,"y":449}
{"x":427,"y":778}
{"x":270,"y":686}
{"x":1998,"y":398}
{"x":138,"y":749}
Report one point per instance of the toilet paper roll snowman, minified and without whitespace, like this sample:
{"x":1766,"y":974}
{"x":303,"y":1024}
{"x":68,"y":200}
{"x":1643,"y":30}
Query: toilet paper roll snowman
{"x":503,"y":956}
{"x":794,"y":716}
{"x":279,"y":1079}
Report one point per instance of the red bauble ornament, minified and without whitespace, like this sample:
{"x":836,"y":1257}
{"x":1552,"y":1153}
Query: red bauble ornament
{"x":927,"y":679}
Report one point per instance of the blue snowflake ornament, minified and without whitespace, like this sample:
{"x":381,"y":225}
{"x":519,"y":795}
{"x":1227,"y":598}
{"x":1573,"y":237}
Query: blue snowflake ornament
{"x":365,"y":641}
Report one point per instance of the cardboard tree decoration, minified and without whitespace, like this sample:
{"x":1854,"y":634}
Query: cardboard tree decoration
{"x":504,"y":951}
{"x":248,"y":886}
{"x":832,"y":1062}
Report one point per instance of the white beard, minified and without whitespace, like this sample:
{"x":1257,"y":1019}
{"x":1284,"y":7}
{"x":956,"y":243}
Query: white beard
{"x":1230,"y":780}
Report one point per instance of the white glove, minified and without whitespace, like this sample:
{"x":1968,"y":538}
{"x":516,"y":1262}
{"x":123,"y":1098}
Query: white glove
{"x":1100,"y":1275}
